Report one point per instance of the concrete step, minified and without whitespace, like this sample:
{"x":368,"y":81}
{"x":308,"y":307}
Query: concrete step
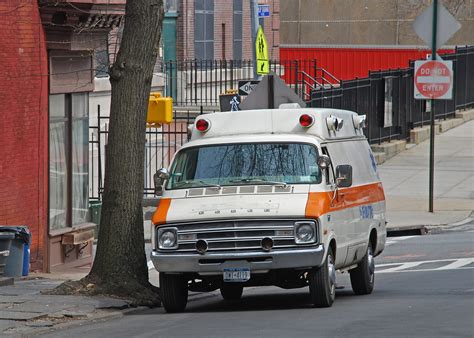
{"x":390,"y":149}
{"x":445,"y":125}
{"x":466,"y":115}
{"x":379,"y":157}
{"x":420,"y":134}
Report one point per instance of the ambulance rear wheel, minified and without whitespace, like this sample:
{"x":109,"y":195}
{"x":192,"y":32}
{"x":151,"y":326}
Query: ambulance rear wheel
{"x":231,"y":291}
{"x":173,"y":292}
{"x":322,"y":283}
{"x":363,"y":277}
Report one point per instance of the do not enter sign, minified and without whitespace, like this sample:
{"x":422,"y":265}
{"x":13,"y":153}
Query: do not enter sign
{"x":434,"y":80}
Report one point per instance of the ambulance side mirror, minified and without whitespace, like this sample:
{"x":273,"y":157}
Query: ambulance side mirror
{"x":344,"y":176}
{"x":158,"y":179}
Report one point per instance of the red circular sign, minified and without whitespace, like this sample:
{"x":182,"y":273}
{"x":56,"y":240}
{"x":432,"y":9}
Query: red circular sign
{"x":433,"y":79}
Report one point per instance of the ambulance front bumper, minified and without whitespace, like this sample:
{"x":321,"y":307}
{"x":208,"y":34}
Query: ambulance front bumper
{"x":256,"y":261}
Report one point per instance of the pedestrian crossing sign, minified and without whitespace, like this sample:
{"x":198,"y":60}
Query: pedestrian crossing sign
{"x":261,"y":51}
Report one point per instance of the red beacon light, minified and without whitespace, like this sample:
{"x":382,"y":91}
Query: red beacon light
{"x":203,"y":125}
{"x":306,"y":120}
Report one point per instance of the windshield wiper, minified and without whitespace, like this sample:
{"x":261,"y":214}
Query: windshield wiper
{"x":202,"y":184}
{"x":259,"y":180}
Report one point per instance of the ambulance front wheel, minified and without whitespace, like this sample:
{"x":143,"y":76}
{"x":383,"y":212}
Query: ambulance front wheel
{"x":322,"y":283}
{"x":363,"y":277}
{"x":173,"y":292}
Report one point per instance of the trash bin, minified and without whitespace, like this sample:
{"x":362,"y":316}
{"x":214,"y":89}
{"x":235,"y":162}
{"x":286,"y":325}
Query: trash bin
{"x":18,"y":261}
{"x":5,"y":244}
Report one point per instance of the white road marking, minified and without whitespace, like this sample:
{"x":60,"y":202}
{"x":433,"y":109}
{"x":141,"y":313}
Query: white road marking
{"x":453,"y":263}
{"x":392,"y":240}
{"x":150,"y":265}
{"x":457,"y":264}
{"x":403,"y":267}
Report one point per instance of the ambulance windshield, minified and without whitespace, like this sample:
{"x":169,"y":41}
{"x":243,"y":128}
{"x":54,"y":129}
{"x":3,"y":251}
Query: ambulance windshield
{"x":240,"y":164}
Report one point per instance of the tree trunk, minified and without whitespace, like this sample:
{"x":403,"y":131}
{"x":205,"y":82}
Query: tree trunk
{"x":120,"y":265}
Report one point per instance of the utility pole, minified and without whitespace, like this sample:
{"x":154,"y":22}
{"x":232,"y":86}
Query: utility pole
{"x":254,"y":28}
{"x":432,"y":132}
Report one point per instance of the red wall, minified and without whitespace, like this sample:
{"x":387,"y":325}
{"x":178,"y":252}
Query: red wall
{"x":349,"y":63}
{"x":24,"y":122}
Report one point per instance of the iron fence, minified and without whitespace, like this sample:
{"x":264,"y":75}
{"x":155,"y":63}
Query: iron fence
{"x":387,"y":98}
{"x":195,"y":86}
{"x":160,"y":145}
{"x":200,"y":82}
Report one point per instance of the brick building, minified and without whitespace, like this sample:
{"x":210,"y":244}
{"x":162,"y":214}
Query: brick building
{"x":47,"y":49}
{"x":208,"y":29}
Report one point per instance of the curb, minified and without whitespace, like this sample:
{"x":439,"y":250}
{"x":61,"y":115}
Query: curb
{"x":426,"y":229}
{"x":412,"y":230}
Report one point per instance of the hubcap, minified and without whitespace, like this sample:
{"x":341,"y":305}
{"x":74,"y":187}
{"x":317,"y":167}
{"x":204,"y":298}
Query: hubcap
{"x":371,"y":263}
{"x":331,"y":275}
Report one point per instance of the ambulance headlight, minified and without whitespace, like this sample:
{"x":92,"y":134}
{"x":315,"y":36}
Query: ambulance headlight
{"x":167,"y":238}
{"x":305,"y":232}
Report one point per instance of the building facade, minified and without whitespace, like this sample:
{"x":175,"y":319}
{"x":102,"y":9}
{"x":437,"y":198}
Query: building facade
{"x":208,"y":29}
{"x":48,"y":48}
{"x":365,"y":22}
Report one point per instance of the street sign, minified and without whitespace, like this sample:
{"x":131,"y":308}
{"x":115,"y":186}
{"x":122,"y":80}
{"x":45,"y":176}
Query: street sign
{"x":261,"y":47}
{"x":433,"y":80}
{"x":263,"y":11}
{"x":446,"y":26}
{"x":246,"y":87}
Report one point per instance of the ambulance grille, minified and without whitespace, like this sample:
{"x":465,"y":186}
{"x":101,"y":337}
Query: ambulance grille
{"x":236,"y":235}
{"x":250,"y":189}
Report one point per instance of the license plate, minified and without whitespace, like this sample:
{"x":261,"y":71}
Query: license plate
{"x":236,"y":274}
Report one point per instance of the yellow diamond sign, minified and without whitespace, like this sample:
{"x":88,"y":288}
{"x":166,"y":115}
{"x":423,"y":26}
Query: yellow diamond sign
{"x":261,"y":48}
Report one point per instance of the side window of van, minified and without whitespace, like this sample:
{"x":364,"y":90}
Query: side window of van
{"x":328,"y":173}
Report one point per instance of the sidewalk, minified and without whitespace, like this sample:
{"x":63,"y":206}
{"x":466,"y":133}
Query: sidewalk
{"x":25,"y":311}
{"x":406,"y":177}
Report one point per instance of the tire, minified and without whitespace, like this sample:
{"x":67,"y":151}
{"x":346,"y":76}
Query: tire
{"x":173,"y":292}
{"x":322,"y":283}
{"x":231,"y":292}
{"x":363,"y":277}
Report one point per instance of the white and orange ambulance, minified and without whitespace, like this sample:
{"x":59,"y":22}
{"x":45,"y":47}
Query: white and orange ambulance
{"x":279,"y":197}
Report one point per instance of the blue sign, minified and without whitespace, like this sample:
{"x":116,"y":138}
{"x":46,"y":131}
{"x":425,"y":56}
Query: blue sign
{"x":263,"y":11}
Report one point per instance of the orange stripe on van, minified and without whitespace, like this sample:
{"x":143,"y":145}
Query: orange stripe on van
{"x":319,"y":203}
{"x":159,"y":217}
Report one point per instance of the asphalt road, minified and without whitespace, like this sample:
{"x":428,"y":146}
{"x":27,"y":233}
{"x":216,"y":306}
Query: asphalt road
{"x":424,"y":288}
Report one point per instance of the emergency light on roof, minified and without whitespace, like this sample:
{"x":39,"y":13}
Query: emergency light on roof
{"x":334,"y":123}
{"x":203,"y":125}
{"x":359,"y":121}
{"x":306,"y":120}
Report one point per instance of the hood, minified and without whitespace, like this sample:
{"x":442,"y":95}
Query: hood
{"x":202,"y":204}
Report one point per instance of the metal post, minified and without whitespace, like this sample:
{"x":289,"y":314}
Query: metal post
{"x":271,"y":92}
{"x":432,"y":132}
{"x":254,"y":29}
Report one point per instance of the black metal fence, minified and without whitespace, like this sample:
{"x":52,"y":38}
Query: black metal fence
{"x":161,"y":144}
{"x":200,"y":82}
{"x":387,"y":97}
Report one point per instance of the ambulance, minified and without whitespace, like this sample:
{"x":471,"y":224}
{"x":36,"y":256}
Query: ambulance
{"x":282,"y":197}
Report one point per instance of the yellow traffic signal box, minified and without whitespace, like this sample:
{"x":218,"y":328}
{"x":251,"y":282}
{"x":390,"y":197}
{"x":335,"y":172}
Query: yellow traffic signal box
{"x":160,"y":110}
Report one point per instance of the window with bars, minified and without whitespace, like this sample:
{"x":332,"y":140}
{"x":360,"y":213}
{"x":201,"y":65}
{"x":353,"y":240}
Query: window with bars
{"x":204,"y":29}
